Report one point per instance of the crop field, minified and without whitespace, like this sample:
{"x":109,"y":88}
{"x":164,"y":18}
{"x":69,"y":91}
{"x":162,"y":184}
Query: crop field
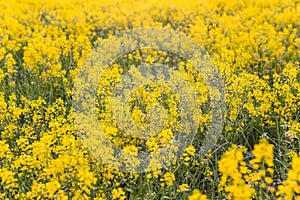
{"x":131,"y":99}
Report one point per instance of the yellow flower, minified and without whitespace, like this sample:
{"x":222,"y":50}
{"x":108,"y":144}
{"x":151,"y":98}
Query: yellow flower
{"x":118,"y":194}
{"x":269,"y":180}
{"x":183,"y":187}
{"x":263,"y":152}
{"x":291,"y":186}
{"x":52,"y":187}
{"x":168,"y":178}
{"x":190,"y":150}
{"x":150,"y":59}
{"x":197,"y":195}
